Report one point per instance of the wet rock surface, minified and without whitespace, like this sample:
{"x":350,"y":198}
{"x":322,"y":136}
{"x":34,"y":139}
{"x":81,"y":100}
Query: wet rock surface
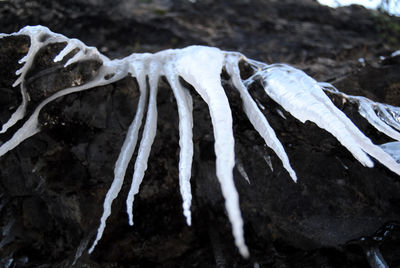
{"x":52,"y":186}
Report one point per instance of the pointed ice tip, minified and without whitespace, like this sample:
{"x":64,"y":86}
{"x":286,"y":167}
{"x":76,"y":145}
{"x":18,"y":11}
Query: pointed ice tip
{"x":72,"y":60}
{"x":19,"y":71}
{"x":292,"y":173}
{"x":369,"y":163}
{"x":17,"y":82}
{"x":58,"y":58}
{"x":244,"y":251}
{"x":22,"y":60}
{"x":91,"y":249}
{"x":69,"y":62}
{"x":188,"y":220}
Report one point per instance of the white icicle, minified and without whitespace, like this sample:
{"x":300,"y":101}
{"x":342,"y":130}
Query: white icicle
{"x":256,"y":117}
{"x":396,"y":53}
{"x":36,"y":33}
{"x":288,"y":87}
{"x":185,"y":110}
{"x":389,"y":118}
{"x":392,"y":148}
{"x":18,"y":114}
{"x":77,"y":57}
{"x":18,"y":80}
{"x":124,"y":157}
{"x":29,"y":129}
{"x":149,"y":133}
{"x":366,"y":111}
{"x":65,"y":51}
{"x":27,"y":60}
{"x":301,"y":96}
{"x":31,"y":126}
{"x":366,"y":107}
{"x":201,"y":67}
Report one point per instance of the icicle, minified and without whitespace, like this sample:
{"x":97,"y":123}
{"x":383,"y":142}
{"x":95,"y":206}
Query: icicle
{"x":185,"y":110}
{"x":31,"y":126}
{"x":383,"y":121}
{"x":267,"y":159}
{"x":279,"y":111}
{"x":393,"y":149}
{"x":396,"y":53}
{"x":18,"y":114}
{"x":19,"y":79}
{"x":301,"y":96}
{"x":65,"y":51}
{"x":256,"y":117}
{"x":81,"y":248}
{"x":149,"y":133}
{"x":36,"y":34}
{"x":27,"y":60}
{"x":125,"y":155}
{"x":242,"y":171}
{"x":201,"y":67}
{"x":77,"y":57}
{"x":375,"y":258}
{"x":389,"y":114}
{"x":366,"y":111}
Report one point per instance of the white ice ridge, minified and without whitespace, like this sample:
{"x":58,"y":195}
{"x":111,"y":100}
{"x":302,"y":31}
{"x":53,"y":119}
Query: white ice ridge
{"x":384,"y":117}
{"x":255,"y":115}
{"x":201,"y":67}
{"x":392,"y":148}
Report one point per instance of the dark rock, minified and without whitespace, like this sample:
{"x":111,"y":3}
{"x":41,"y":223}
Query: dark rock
{"x":53,"y":185}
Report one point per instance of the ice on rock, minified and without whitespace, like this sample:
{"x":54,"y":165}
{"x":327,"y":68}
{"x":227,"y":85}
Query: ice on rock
{"x":201,"y":67}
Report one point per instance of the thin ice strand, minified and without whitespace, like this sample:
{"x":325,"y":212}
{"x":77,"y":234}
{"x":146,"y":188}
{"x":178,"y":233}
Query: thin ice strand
{"x":366,"y":110}
{"x":34,"y":33}
{"x":123,"y":160}
{"x":149,"y":133}
{"x":301,"y":95}
{"x":201,"y":67}
{"x":257,"y":118}
{"x":184,"y":104}
{"x":361,"y":140}
{"x":36,"y":43}
{"x":383,"y":108}
{"x":31,"y":126}
{"x":286,"y":86}
{"x":368,"y":113}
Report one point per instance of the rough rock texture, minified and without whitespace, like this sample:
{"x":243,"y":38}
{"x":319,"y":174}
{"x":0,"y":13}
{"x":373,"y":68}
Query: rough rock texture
{"x":52,"y":186}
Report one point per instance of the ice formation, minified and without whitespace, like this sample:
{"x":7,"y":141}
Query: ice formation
{"x":201,"y":67}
